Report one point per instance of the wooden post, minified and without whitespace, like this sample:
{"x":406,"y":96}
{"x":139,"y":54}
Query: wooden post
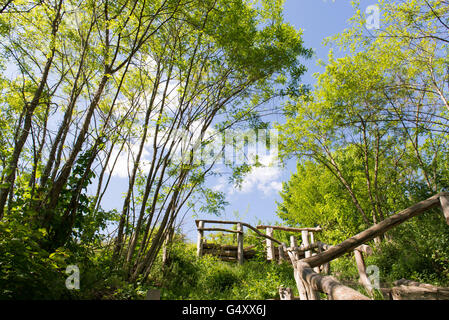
{"x":311,"y":294}
{"x":350,"y":244}
{"x":281,"y":253}
{"x":364,"y":280}
{"x":199,"y":245}
{"x":305,"y":242}
{"x":294,"y":244}
{"x":319,"y":268}
{"x":306,"y":292}
{"x":444,"y":200}
{"x":326,"y":268}
{"x":326,"y":284}
{"x":240,"y":243}
{"x":300,"y":285}
{"x":270,"y":247}
{"x":312,"y":241}
{"x":285,"y":293}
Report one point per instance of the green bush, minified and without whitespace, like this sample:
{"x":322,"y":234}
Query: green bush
{"x":208,"y":278}
{"x":419,"y":251}
{"x":26,"y":270}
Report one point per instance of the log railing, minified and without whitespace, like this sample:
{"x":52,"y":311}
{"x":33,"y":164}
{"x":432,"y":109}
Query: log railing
{"x":306,"y":249}
{"x":411,"y":290}
{"x":307,"y":237}
{"x":310,"y":283}
{"x":240,"y":235}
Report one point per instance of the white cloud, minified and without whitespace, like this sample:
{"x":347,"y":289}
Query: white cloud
{"x":221,"y":185}
{"x":265,"y":178}
{"x":125,"y":161}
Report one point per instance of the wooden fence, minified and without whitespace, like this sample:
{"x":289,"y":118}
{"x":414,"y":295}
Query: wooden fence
{"x":226,"y":252}
{"x":274,"y":253}
{"x":310,"y":283}
{"x":279,"y":253}
{"x":311,"y":259}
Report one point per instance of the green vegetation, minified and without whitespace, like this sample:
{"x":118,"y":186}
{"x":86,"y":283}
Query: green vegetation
{"x":371,"y":139}
{"x":91,"y":90}
{"x":188,"y":277}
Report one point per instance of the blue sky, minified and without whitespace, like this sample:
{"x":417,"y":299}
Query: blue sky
{"x":257,"y":200}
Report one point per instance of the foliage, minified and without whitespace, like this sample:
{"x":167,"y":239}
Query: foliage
{"x":208,"y":278}
{"x":419,"y":252}
{"x":371,"y":138}
{"x":26,"y":270}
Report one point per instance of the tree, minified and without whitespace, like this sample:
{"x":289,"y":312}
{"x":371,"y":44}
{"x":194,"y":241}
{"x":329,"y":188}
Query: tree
{"x":145,"y":80}
{"x":384,"y":101}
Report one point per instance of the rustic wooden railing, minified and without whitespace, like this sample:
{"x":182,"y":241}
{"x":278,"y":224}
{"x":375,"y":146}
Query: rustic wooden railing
{"x":274,"y":253}
{"x":411,"y":290}
{"x":307,"y":237}
{"x":240,"y":236}
{"x":310,"y":283}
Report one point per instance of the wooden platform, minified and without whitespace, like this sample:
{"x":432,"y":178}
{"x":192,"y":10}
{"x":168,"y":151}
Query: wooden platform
{"x":228,"y":252}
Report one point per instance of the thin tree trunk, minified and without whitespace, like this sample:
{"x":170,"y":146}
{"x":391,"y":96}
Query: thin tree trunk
{"x":29,"y":111}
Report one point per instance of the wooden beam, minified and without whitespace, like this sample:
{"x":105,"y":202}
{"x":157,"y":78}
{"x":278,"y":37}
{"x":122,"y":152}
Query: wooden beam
{"x":285,"y":293}
{"x":366,"y":249}
{"x":269,"y":243}
{"x":199,"y":245}
{"x":217,"y":246}
{"x":281,"y":250}
{"x":219,"y":229}
{"x":302,"y":248}
{"x":444,"y":201}
{"x":228,"y":253}
{"x":216,"y":221}
{"x":240,"y":252}
{"x":374,"y":231}
{"x":225,"y":258}
{"x":361,"y":267}
{"x":291,"y":229}
{"x":243,"y":224}
{"x":294,"y":244}
{"x":305,"y":242}
{"x":327,"y":284}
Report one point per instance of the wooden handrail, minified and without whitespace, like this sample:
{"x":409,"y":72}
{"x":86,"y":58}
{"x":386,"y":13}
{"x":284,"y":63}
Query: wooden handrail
{"x":291,"y":229}
{"x":219,"y":229}
{"x":217,"y":221}
{"x":243,"y":224}
{"x":376,"y":230}
{"x":302,"y":248}
{"x":327,"y":284}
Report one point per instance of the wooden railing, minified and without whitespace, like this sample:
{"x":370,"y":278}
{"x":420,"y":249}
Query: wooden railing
{"x":307,"y":237}
{"x":310,"y":283}
{"x":240,"y":251}
{"x":278,"y":253}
